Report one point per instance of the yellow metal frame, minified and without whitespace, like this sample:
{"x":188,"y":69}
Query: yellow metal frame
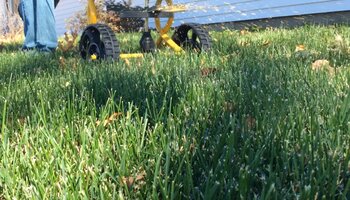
{"x":92,"y":12}
{"x":131,"y":55}
{"x":162,"y":31}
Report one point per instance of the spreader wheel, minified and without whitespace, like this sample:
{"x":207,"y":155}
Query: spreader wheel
{"x":192,"y":36}
{"x":98,"y":41}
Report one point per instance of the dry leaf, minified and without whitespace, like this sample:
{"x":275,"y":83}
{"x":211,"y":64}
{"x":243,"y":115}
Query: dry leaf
{"x":154,"y":71}
{"x":208,"y":71}
{"x":193,"y":146}
{"x":128,"y":181}
{"x":229,"y":107}
{"x":110,"y":119}
{"x":340,"y":45}
{"x":184,"y":139}
{"x":67,"y":84}
{"x":127,"y":62}
{"x":106,"y":122}
{"x":98,"y":122}
{"x":225,"y":58}
{"x":202,"y":62}
{"x":21,"y":121}
{"x":115,"y":116}
{"x":67,"y":43}
{"x":244,"y":43}
{"x":141,"y":176}
{"x":135,"y":181}
{"x":244,"y":32}
{"x":299,"y":47}
{"x":181,"y":149}
{"x":339,"y":39}
{"x":250,"y":122}
{"x":266,"y":43}
{"x":320,"y":65}
{"x":75,"y":63}
{"x":14,"y":36}
{"x":62,"y":62}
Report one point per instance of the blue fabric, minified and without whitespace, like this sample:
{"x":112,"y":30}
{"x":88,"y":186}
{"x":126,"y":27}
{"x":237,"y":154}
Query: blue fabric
{"x":39,"y":24}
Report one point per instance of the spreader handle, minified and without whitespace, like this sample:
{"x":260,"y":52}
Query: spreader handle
{"x":92,"y":12}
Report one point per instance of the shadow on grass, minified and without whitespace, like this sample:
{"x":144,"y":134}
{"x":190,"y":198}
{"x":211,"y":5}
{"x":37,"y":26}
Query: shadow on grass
{"x":18,"y":65}
{"x":10,"y":47}
{"x":95,"y":83}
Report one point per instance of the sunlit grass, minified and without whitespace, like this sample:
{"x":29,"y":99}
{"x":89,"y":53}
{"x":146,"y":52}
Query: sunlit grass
{"x":250,"y":119}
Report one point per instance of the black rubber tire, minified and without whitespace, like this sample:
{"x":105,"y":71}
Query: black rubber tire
{"x":99,"y":39}
{"x":200,"y":39}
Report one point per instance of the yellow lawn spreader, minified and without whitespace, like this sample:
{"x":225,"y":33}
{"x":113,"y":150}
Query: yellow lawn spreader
{"x":99,"y":42}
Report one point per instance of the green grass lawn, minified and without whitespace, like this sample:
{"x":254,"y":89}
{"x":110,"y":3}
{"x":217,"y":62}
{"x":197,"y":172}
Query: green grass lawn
{"x":252,"y":119}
